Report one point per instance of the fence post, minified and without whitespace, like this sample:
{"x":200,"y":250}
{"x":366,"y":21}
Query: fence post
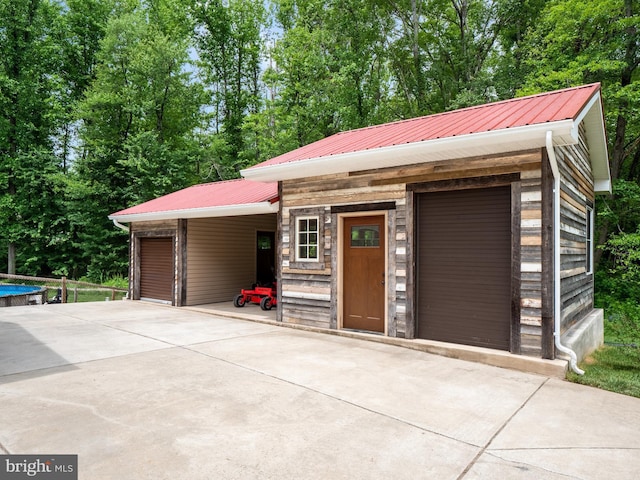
{"x":64,"y":290}
{"x":75,"y":294}
{"x":113,"y":294}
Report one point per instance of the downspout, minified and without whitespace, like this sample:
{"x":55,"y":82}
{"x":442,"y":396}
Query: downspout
{"x":119,"y":225}
{"x":557,"y":298}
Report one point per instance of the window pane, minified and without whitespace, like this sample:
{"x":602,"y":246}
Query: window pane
{"x":307,"y":238}
{"x":264,"y":242}
{"x":365,"y":236}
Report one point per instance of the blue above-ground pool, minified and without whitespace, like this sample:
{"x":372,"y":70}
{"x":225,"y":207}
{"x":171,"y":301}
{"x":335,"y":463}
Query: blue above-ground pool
{"x":7,"y":289}
{"x":14,"y":295}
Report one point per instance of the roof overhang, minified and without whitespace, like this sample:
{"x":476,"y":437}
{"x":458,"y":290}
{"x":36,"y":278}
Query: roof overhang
{"x":565,"y":132}
{"x":592,"y":117}
{"x":259,"y":208}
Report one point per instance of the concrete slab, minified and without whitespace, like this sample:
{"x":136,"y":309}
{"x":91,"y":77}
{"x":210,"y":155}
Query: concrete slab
{"x":561,"y":426}
{"x":433,"y":389}
{"x":497,"y":358}
{"x":46,"y":337}
{"x":157,"y":422}
{"x":146,"y":391}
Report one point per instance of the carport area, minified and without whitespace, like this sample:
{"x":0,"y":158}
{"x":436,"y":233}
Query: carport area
{"x":140,"y":390}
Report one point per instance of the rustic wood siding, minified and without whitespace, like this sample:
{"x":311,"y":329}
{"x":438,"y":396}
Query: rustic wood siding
{"x":310,"y":289}
{"x":309,"y":292}
{"x":149,"y":227}
{"x":221,"y":256}
{"x":531,"y":262}
{"x":576,"y":193}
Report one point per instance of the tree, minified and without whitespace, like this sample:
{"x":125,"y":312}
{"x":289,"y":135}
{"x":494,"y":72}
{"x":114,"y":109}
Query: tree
{"x":228,"y":39}
{"x":442,"y":52}
{"x":579,"y":41}
{"x":30,"y":113}
{"x":138,"y":119}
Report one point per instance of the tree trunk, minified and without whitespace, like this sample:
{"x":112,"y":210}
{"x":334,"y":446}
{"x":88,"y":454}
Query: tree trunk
{"x":11,"y":256}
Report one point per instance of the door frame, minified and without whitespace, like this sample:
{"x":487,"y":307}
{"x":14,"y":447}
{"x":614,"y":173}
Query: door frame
{"x":340,"y":262}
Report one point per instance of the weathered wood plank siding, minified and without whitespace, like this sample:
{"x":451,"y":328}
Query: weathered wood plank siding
{"x":310,"y":289}
{"x":531,"y":262}
{"x":576,"y":194}
{"x":221,"y":256}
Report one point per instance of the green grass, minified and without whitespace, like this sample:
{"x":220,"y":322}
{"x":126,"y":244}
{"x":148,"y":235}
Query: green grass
{"x":612,"y":368}
{"x":87,"y":295}
{"x":616,"y":366}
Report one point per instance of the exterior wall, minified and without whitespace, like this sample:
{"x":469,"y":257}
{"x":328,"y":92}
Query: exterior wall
{"x":531,"y":262}
{"x":166,"y":228}
{"x":310,"y":291}
{"x":221,"y":256}
{"x":576,"y":194}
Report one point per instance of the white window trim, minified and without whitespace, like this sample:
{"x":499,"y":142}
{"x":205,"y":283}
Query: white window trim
{"x":297,"y":239}
{"x":589,"y":241}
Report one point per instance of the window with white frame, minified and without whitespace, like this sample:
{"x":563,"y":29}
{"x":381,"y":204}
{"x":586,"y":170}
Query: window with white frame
{"x":589,"y":241}
{"x":307,"y":236}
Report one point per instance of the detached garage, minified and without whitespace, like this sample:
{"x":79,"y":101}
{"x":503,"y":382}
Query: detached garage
{"x":470,"y":227}
{"x":202,"y":244}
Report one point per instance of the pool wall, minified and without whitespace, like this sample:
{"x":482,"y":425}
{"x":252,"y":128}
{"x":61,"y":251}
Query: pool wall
{"x":37,"y":297}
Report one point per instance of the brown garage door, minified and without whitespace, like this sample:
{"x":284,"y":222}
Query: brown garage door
{"x":464,"y":266}
{"x":156,"y":268}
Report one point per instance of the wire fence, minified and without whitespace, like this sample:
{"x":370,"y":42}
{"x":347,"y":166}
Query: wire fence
{"x":20,"y":290}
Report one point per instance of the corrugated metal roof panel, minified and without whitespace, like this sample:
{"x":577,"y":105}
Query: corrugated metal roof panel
{"x":535,"y":109}
{"x":208,"y":195}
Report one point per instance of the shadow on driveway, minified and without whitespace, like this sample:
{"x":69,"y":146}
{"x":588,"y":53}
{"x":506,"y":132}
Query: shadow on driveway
{"x":21,"y":352}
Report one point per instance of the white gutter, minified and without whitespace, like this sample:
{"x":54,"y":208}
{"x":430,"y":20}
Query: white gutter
{"x":460,"y":146}
{"x":119,"y":225}
{"x":206,"y":212}
{"x":557,"y":298}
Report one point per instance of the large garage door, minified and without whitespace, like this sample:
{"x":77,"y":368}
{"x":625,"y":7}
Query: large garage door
{"x":156,"y":269}
{"x":464,"y":266}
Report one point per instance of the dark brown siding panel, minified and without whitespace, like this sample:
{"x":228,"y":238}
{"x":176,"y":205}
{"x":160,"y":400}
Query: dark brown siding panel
{"x":156,"y":268}
{"x":464,"y":266}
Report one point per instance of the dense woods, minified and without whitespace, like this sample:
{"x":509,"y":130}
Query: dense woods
{"x":108,"y":103}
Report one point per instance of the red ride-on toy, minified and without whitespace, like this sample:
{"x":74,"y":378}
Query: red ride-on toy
{"x":266,"y":297}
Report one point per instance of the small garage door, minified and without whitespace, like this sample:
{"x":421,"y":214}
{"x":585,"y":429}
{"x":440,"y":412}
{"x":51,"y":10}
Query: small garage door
{"x":156,"y":269}
{"x":464,"y":266}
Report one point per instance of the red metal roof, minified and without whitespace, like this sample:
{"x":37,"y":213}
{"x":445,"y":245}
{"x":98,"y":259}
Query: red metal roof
{"x":535,"y":109}
{"x":209,"y":195}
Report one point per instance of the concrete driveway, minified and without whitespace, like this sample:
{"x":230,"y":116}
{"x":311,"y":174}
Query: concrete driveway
{"x":143,"y":391}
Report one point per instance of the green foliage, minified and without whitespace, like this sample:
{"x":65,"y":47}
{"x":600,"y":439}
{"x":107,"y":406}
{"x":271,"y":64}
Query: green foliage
{"x":228,"y":40}
{"x":138,"y":116}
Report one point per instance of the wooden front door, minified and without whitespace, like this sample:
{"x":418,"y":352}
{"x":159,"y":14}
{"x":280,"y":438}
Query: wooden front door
{"x":364,"y":276}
